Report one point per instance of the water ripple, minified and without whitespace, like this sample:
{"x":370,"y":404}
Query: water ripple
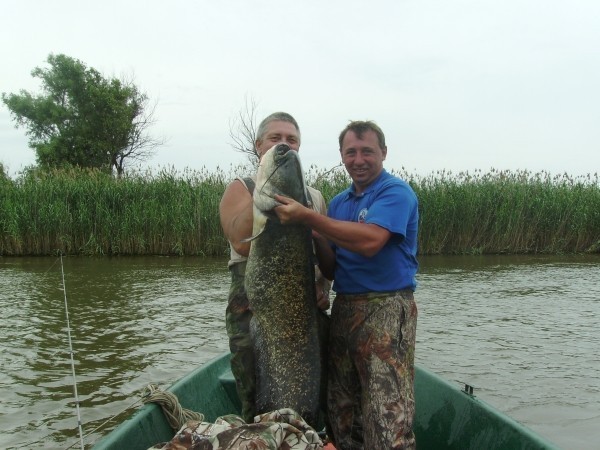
{"x":522,"y":330}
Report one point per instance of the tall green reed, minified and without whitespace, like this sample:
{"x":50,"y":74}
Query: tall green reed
{"x":509,"y":212}
{"x":89,"y":212}
{"x":171,"y":212}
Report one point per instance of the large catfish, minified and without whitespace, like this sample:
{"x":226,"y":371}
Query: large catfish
{"x":280,"y":283}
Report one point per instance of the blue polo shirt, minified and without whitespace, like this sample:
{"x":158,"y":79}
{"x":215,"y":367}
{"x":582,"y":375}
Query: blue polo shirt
{"x":392,"y":204}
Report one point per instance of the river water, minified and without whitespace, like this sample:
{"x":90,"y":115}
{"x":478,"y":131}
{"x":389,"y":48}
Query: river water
{"x":523,"y":330}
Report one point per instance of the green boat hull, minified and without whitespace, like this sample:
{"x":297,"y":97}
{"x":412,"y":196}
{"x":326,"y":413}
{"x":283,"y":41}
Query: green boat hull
{"x":445,"y":418}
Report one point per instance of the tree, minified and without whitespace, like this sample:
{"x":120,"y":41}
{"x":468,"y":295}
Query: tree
{"x":83,"y":119}
{"x":3,"y":173}
{"x":242,"y":131}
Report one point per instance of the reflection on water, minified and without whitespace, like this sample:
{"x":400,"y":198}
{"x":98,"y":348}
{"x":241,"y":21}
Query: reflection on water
{"x":522,"y":330}
{"x":134,"y":321}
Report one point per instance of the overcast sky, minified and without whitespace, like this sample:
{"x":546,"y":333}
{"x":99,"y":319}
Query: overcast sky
{"x":455,"y":85}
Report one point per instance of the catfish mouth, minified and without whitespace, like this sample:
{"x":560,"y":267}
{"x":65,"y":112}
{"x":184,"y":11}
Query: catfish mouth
{"x":280,"y":151}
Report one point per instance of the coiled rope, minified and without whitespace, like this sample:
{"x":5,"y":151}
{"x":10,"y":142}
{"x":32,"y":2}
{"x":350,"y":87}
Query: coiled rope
{"x":172,"y":409}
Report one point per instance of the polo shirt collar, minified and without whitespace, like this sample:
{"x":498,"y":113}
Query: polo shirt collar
{"x":370,"y":188}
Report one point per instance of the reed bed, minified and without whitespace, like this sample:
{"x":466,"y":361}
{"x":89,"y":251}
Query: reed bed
{"x":93,"y":213}
{"x":176,"y":213}
{"x":509,"y":212}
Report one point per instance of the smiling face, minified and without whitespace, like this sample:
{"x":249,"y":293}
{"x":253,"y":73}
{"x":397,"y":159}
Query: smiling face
{"x":363,"y":158}
{"x":278,"y":132}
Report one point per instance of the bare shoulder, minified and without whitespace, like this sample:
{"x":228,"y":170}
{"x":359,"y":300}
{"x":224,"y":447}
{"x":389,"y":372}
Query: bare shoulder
{"x":234,"y":192}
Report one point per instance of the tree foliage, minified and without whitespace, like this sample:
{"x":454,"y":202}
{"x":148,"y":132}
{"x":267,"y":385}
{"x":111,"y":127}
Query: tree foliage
{"x":3,"y":174}
{"x":83,"y":119}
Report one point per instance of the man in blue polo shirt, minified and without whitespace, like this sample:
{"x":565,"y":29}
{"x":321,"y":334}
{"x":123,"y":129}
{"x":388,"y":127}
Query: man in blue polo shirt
{"x":368,"y":245}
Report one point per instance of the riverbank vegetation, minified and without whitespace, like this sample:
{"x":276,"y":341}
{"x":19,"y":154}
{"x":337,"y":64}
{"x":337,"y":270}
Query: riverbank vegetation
{"x":170,"y":212}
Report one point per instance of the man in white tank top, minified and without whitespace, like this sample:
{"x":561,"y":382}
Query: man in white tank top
{"x":236,"y":217}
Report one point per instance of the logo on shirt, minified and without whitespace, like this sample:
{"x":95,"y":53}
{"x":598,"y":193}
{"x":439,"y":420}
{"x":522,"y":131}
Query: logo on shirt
{"x":362,"y":215}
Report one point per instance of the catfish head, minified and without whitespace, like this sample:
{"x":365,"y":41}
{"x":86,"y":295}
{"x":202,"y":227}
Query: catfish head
{"x":279,"y":172}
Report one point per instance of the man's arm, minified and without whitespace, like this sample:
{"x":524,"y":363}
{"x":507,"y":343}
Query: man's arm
{"x":325,"y":256}
{"x":364,"y":239}
{"x":235,"y":212}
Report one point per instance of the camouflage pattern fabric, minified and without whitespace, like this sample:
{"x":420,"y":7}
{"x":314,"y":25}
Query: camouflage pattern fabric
{"x":237,"y":322}
{"x":282,"y":429}
{"x":371,"y":371}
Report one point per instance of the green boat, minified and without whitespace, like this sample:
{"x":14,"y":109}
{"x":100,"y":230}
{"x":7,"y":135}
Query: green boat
{"x":446,"y":417}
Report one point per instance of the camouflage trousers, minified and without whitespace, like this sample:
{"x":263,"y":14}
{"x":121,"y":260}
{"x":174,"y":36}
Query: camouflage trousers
{"x":371,"y":371}
{"x":237,"y":322}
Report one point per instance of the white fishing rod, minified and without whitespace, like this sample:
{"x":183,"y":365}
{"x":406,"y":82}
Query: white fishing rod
{"x":71,"y":353}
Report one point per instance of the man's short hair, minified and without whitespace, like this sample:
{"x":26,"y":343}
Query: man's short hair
{"x":361,"y":126}
{"x":281,"y":116}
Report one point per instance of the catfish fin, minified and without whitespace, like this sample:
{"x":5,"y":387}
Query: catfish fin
{"x":251,"y":238}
